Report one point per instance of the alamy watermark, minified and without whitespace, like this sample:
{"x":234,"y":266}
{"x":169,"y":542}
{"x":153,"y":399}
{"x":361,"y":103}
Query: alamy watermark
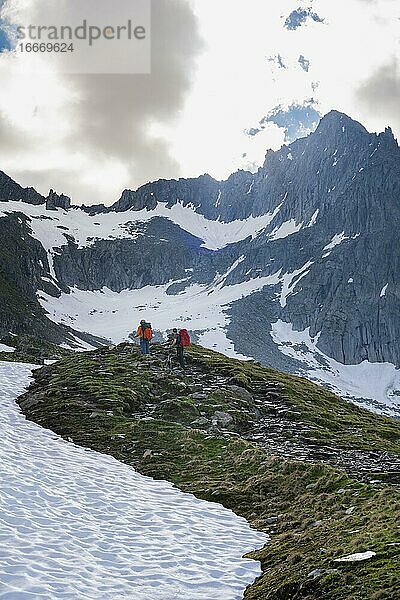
{"x":81,"y":36}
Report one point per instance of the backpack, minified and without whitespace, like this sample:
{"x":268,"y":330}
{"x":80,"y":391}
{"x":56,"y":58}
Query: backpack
{"x":184,"y":338}
{"x":147,"y":331}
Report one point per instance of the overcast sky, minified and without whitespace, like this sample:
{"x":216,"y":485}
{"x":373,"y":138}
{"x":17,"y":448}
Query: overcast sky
{"x":229,"y":80}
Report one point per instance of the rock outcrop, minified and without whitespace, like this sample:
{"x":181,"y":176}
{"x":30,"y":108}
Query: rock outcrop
{"x":10,"y":190}
{"x":54,"y":201}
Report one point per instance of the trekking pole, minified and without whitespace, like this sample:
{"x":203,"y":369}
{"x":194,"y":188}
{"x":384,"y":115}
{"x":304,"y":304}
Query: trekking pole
{"x":169,"y":360}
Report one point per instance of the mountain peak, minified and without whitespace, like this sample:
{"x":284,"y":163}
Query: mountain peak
{"x":10,"y":190}
{"x":54,"y":201}
{"x":335,"y":119}
{"x":388,"y":137}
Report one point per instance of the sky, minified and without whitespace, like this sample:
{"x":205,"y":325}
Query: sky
{"x":229,"y":79}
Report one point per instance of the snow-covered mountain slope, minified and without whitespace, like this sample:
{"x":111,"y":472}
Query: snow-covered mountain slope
{"x":54,"y":228}
{"x":78,"y":524}
{"x":372,"y":385}
{"x":201,"y":308}
{"x":310,"y":241}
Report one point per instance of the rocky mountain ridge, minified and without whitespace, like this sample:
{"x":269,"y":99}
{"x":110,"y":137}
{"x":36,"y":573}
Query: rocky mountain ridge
{"x":338,"y":145}
{"x":10,"y":190}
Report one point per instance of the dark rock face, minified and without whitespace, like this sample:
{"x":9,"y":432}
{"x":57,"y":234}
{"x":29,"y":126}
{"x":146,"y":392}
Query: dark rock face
{"x":161,"y":252}
{"x":9,"y":190}
{"x":54,"y":201}
{"x":95,"y":209}
{"x":24,"y":269}
{"x":23,"y":264}
{"x":196,"y":192}
{"x":336,"y":165}
{"x":341,"y":298}
{"x":348,"y":292}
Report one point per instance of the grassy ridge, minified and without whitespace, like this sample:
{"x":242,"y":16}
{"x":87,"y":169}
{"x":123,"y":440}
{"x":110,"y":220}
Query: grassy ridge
{"x":332,"y":419}
{"x":30,"y":350}
{"x":317,"y":514}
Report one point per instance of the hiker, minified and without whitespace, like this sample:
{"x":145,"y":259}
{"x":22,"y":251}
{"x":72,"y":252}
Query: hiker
{"x":181,"y":340}
{"x":145,"y":333}
{"x":170,"y":344}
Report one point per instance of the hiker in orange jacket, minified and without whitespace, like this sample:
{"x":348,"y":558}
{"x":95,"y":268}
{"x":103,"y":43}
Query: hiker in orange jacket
{"x":145,"y":333}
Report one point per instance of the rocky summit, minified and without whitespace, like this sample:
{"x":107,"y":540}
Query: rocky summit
{"x":317,"y":473}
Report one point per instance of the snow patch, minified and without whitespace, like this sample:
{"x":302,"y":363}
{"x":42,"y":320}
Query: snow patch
{"x":336,"y":241}
{"x":290,"y":280}
{"x":216,"y":339}
{"x":250,"y":188}
{"x":79,"y":345}
{"x":51,"y":228}
{"x":115,"y":315}
{"x":313,"y":218}
{"x":358,"y":557}
{"x":4,"y":348}
{"x":285,"y":230}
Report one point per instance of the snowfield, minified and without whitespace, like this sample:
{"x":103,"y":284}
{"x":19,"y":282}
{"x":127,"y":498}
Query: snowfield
{"x":204,"y":309}
{"x":371,"y":385}
{"x":75,"y":524}
{"x":114,"y":315}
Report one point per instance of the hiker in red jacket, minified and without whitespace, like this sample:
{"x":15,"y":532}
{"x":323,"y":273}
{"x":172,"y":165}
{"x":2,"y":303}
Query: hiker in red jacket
{"x":181,"y":340}
{"x":145,"y":333}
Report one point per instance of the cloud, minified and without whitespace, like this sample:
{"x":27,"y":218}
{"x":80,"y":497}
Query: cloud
{"x":241,"y":78}
{"x":380,"y":93}
{"x":98,"y":128}
{"x":113,"y":114}
{"x":304,"y":63}
{"x":255,"y":146}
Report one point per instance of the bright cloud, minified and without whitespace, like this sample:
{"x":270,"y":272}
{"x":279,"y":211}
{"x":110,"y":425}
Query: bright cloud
{"x":237,"y":85}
